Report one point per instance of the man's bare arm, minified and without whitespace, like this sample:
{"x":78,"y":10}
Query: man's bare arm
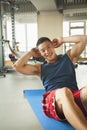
{"x":24,"y":67}
{"x":80,"y":43}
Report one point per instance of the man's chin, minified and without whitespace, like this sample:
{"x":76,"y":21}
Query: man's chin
{"x":49,"y":59}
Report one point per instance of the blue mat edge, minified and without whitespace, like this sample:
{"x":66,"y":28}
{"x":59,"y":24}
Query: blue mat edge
{"x":51,"y":121}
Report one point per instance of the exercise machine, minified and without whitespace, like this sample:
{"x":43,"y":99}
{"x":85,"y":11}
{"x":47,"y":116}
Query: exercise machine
{"x":2,"y":67}
{"x":10,"y":4}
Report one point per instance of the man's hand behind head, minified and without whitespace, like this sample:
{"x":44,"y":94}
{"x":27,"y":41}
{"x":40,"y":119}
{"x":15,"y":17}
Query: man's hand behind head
{"x":57,"y":42}
{"x":35,"y":52}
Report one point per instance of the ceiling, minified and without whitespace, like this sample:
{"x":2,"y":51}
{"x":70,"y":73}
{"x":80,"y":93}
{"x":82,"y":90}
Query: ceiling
{"x":24,"y":6}
{"x":44,"y":5}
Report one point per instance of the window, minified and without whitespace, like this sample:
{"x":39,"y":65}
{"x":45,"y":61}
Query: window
{"x":77,"y":28}
{"x":73,"y":28}
{"x":25,"y":34}
{"x":31,"y":35}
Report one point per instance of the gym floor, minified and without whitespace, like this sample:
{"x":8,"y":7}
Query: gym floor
{"x":15,"y":112}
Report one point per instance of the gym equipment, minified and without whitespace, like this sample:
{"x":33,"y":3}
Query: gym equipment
{"x":2,"y":72}
{"x":34,"y":99}
{"x":3,"y":4}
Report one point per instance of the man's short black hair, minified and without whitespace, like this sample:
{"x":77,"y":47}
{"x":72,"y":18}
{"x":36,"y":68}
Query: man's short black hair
{"x":41,"y":40}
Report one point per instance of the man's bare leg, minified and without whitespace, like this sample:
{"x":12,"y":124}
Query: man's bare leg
{"x":73,"y":114}
{"x":84,"y":97}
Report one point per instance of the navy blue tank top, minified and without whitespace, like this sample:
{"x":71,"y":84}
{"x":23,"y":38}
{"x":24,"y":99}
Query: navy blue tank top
{"x":59,"y":74}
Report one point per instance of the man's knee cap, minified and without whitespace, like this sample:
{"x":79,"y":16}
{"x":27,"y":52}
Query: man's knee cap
{"x":63,"y":91}
{"x":66,"y":91}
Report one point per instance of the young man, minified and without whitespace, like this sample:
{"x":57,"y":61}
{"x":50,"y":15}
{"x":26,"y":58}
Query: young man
{"x":62,"y":99}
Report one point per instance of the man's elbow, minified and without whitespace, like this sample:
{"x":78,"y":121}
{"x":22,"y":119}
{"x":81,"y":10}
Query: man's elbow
{"x":16,"y":67}
{"x":84,"y":39}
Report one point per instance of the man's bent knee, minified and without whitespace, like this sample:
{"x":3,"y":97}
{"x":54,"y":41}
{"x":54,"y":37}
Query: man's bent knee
{"x":63,"y":93}
{"x":60,"y":97}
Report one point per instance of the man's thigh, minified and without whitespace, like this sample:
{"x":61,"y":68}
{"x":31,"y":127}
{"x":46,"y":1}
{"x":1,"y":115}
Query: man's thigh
{"x":83,"y":96}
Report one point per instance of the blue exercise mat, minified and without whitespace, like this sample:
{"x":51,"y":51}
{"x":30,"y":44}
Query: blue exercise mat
{"x":34,"y":98}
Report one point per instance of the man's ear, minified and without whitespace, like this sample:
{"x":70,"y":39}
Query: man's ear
{"x":54,"y":44}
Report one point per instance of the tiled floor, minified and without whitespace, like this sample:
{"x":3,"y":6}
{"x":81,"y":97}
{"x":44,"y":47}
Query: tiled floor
{"x":15,"y":112}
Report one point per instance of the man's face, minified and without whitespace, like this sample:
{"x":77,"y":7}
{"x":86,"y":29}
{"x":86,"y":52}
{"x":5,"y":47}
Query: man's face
{"x":47,"y":50}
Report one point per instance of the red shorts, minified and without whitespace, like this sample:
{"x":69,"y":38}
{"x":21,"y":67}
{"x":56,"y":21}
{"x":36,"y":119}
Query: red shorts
{"x":48,"y":103}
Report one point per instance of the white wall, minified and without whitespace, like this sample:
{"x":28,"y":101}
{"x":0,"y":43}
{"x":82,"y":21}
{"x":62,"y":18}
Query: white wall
{"x":50,"y":24}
